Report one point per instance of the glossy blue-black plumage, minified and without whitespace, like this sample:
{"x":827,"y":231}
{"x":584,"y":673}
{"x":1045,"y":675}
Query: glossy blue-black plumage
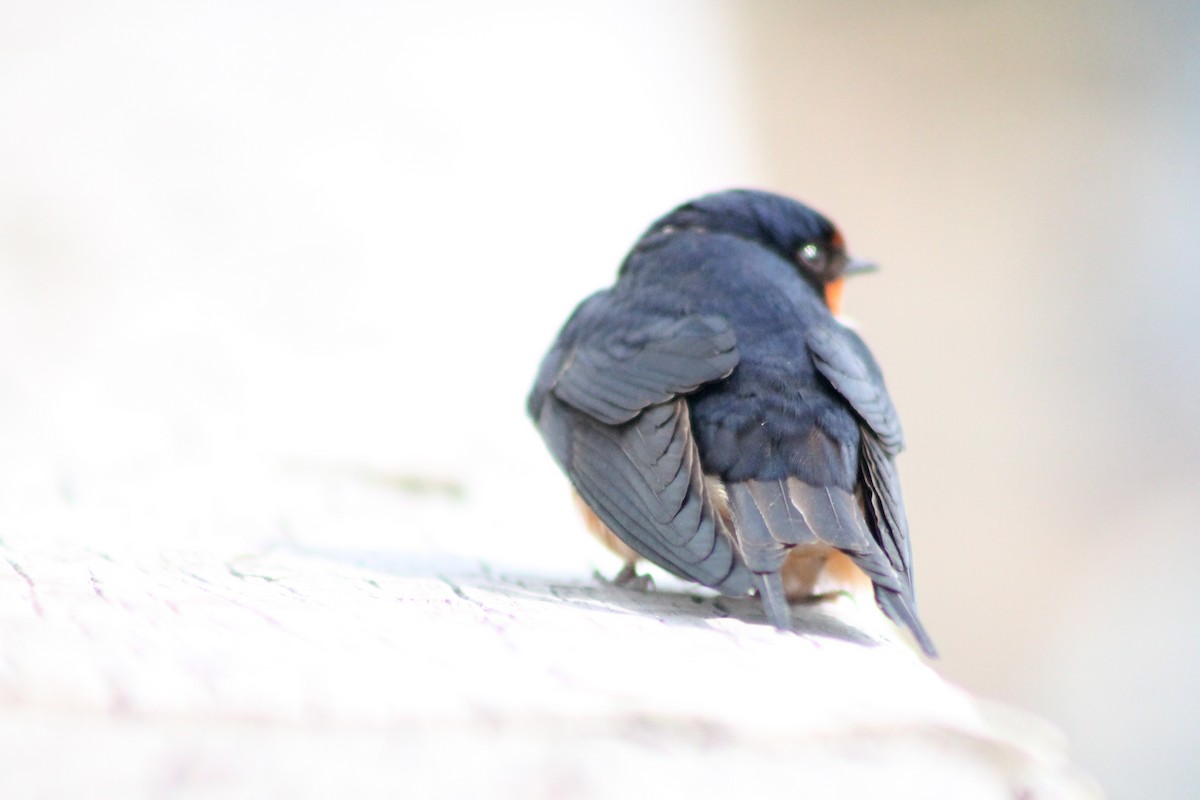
{"x":714,"y":361}
{"x":754,"y":423}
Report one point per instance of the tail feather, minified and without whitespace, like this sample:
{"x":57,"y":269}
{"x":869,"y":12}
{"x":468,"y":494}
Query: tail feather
{"x":902,"y":611}
{"x":774,"y":600}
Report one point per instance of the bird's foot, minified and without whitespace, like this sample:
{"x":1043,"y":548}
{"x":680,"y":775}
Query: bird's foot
{"x":628,"y":578}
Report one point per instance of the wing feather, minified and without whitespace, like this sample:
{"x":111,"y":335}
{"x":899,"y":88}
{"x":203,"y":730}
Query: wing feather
{"x":671,"y":522}
{"x":847,"y":364}
{"x":610,"y":404}
{"x":615,"y":378}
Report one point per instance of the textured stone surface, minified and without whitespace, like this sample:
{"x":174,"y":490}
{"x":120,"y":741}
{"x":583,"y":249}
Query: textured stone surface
{"x":205,"y":630}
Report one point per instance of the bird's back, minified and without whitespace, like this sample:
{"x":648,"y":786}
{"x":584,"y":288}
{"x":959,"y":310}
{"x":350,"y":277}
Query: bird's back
{"x":775,"y":416}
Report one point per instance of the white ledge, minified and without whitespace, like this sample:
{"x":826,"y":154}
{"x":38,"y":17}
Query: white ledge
{"x":157,"y":647}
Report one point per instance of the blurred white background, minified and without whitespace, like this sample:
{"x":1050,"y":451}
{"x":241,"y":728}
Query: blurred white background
{"x":254,"y":232}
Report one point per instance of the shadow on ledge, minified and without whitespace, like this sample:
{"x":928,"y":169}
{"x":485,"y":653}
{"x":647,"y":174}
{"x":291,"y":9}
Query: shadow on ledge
{"x":696,"y":608}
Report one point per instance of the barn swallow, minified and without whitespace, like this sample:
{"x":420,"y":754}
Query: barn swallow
{"x":716,"y":418}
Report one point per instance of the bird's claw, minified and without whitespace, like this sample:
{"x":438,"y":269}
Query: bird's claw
{"x":628,"y":578}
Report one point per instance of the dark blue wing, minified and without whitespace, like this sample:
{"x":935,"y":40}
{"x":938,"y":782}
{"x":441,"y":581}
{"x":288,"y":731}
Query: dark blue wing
{"x":611,"y":363}
{"x":608,"y":403}
{"x":845,"y":361}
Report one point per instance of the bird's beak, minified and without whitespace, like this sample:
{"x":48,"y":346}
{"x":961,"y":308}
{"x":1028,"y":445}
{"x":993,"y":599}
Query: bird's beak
{"x":859,"y":266}
{"x":833,"y":289}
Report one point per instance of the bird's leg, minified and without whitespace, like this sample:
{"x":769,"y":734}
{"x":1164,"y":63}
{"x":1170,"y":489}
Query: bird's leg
{"x":628,"y":578}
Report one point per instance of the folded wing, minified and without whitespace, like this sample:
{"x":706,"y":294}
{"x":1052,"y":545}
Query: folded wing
{"x":610,"y":406}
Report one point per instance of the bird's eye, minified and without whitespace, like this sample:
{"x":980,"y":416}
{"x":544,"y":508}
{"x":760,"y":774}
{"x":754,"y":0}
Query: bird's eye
{"x":812,"y":255}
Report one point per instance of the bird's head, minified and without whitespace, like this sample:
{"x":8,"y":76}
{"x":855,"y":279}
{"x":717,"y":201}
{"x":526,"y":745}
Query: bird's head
{"x":785,"y":226}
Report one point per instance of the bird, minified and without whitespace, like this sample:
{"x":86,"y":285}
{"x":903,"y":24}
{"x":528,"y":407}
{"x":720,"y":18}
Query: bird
{"x":716,"y":418}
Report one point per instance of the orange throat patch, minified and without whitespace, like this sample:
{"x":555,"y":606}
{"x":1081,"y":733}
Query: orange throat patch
{"x":833,"y":295}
